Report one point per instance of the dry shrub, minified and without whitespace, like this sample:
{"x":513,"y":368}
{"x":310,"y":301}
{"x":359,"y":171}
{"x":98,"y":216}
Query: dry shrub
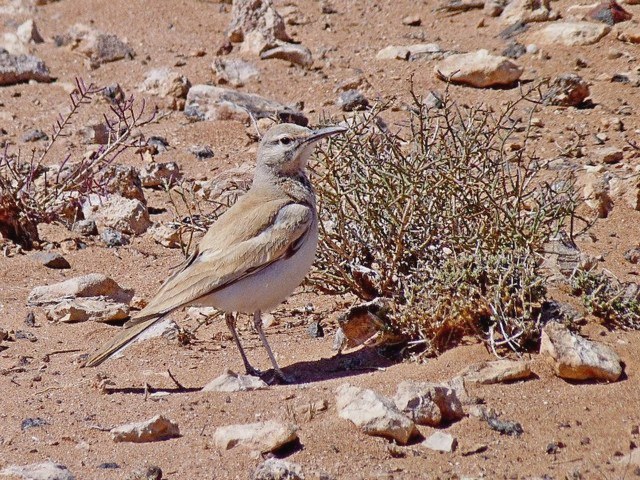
{"x":446,"y":216}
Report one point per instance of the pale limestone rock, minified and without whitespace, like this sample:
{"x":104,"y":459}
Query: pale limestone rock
{"x":257,"y":24}
{"x":373,"y":414}
{"x":478,"y":69}
{"x":167,"y":84}
{"x":571,"y":34}
{"x":122,"y":214}
{"x":28,"y":32}
{"x":528,"y":11}
{"x":596,"y":192}
{"x":85,"y":309}
{"x":167,"y":235}
{"x":291,"y":52}
{"x":233,"y":71}
{"x":498,"y":371}
{"x":38,"y":471}
{"x":627,"y":189}
{"x":230,"y":381}
{"x":263,"y":436}
{"x":393,"y":52}
{"x":92,"y":285}
{"x":22,"y":68}
{"x":440,"y":442}
{"x":428,"y":403}
{"x":152,"y":430}
{"x":576,"y":358}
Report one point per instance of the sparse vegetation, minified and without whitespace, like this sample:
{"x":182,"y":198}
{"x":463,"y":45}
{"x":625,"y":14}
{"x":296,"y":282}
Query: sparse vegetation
{"x":32,"y":192}
{"x":446,"y":215}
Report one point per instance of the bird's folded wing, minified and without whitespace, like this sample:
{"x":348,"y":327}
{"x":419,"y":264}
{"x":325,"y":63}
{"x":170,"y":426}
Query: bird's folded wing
{"x":213,"y":269}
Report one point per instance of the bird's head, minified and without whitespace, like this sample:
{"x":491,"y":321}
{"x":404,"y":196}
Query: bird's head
{"x":285,"y":148}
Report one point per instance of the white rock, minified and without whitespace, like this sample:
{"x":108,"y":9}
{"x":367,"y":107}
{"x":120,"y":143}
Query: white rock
{"x":576,"y":358}
{"x":497,"y":371}
{"x":167,"y":84}
{"x":393,"y":52}
{"x":277,"y":469}
{"x":152,"y":430}
{"x":27,"y":32}
{"x":125,"y":215}
{"x":85,"y":309}
{"x":478,"y":69}
{"x":230,"y":381}
{"x":428,"y":403}
{"x":39,"y":471}
{"x":233,"y":71}
{"x":206,"y":102}
{"x":440,"y":442}
{"x":571,"y":34}
{"x":264,"y":436}
{"x":257,"y":24}
{"x":92,"y":285}
{"x":291,"y":52}
{"x":373,"y":414}
{"x":528,"y":11}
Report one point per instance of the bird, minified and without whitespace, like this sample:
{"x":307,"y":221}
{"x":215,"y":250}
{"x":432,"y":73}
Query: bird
{"x":255,"y":254}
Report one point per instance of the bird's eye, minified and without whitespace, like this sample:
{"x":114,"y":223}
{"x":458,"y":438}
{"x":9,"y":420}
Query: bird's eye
{"x":286,"y":140}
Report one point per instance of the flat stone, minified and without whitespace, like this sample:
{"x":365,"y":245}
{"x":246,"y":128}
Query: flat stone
{"x":498,"y":371}
{"x":440,"y":442}
{"x":92,"y":285}
{"x":478,"y":69}
{"x":373,"y":414}
{"x":576,"y":358}
{"x":87,"y":309}
{"x":571,"y":34}
{"x":393,"y":52}
{"x":230,"y":381}
{"x":39,"y":471}
{"x":608,"y":155}
{"x":428,"y":403}
{"x":152,"y":430}
{"x":234,"y":71}
{"x":291,"y":52}
{"x":263,"y":436}
{"x":22,"y":68}
{"x":51,"y":260}
{"x":206,"y":102}
{"x":277,"y":469}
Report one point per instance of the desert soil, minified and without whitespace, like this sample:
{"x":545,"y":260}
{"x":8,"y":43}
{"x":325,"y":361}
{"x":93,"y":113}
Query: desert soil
{"x":593,"y":422}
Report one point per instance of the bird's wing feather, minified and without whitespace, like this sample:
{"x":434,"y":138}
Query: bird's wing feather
{"x":214,"y":268}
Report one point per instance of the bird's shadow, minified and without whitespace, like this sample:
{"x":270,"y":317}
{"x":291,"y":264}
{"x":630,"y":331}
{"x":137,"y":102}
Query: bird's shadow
{"x":338,"y":366}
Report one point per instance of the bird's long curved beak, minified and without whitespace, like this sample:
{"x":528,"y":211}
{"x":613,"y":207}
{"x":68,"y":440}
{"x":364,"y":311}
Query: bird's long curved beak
{"x":321,"y":133}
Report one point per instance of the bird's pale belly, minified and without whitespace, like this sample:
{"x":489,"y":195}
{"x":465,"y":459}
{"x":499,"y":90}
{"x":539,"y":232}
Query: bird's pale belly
{"x":268,"y":288}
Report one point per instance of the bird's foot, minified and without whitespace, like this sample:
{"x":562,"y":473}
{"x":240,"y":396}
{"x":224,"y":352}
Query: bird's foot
{"x":254,"y":372}
{"x":277,"y":377}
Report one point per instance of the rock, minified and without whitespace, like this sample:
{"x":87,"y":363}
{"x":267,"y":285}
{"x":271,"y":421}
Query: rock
{"x":122,"y":214}
{"x":34,"y":136}
{"x":528,"y":11}
{"x":440,"y":442}
{"x":230,"y":381}
{"x":563,"y":255}
{"x":234,"y":71}
{"x":113,"y":238}
{"x":632,"y":255}
{"x":631,"y":35}
{"x":205,"y":102}
{"x":231,"y":182}
{"x":202,"y":152}
{"x":51,"y":260}
{"x":277,"y":469}
{"x":428,"y":403}
{"x":373,"y":414}
{"x":167,"y":235}
{"x":596,"y":192}
{"x":626,"y":189}
{"x":291,"y":52}
{"x":419,"y":51}
{"x":166,"y":328}
{"x":39,"y":471}
{"x":608,"y":155}
{"x":95,"y":133}
{"x":575,"y":358}
{"x":393,"y":52}
{"x":571,"y":34}
{"x":412,"y":21}
{"x":256,"y":24}
{"x":352,"y":100}
{"x":368,"y":324}
{"x":152,"y":430}
{"x":494,"y":8}
{"x":478,"y":69}
{"x":92,"y":285}
{"x":123,"y":180}
{"x":156,"y":174}
{"x":460,"y":5}
{"x":498,"y":371}
{"x":22,"y":68}
{"x":27,"y":32}
{"x":514,"y":50}
{"x":87,"y":309}
{"x":264,"y":436}
{"x":567,"y":90}
{"x":167,"y":84}
{"x":99,"y":47}
{"x":610,"y":12}
{"x":85,"y":228}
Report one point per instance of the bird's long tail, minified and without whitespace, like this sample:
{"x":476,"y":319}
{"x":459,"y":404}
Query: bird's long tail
{"x":129,"y":334}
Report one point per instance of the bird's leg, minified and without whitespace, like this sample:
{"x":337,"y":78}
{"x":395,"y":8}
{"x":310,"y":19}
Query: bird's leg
{"x":257,"y":323}
{"x":231,"y":319}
